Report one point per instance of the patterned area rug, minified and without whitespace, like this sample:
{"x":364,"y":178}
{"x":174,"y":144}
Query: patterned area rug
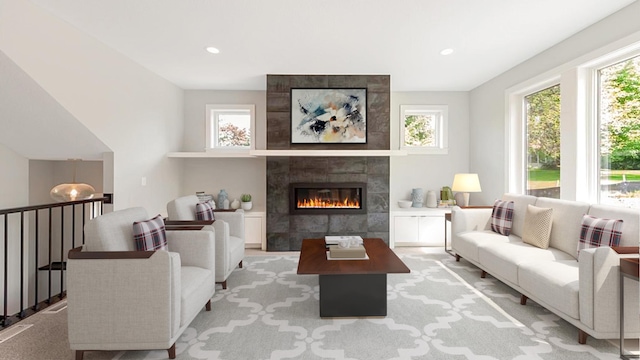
{"x":442,"y":310}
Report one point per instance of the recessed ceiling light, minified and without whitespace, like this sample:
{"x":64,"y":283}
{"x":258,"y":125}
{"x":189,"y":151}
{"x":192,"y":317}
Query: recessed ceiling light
{"x":212,"y":50}
{"x":446,"y":52}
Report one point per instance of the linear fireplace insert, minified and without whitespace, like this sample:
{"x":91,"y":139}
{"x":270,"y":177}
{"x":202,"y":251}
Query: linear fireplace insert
{"x":327,"y":198}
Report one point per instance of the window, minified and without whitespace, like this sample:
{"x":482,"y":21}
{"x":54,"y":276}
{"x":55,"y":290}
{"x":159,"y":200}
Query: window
{"x":423,"y":129}
{"x":619,"y":133}
{"x":230,"y":127}
{"x":542,"y":116}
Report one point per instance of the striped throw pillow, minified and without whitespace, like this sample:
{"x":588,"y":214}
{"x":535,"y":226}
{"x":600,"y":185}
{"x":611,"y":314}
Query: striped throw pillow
{"x":596,"y":232}
{"x":204,"y":211}
{"x":150,"y":235}
{"x":502,"y":217}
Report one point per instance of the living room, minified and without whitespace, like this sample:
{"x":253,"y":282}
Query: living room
{"x":74,"y":96}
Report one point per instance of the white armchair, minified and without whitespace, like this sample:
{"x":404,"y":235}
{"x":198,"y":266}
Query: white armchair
{"x":229,"y":230}
{"x":122,"y":299}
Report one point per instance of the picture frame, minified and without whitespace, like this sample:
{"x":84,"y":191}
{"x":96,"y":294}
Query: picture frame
{"x":328,"y":115}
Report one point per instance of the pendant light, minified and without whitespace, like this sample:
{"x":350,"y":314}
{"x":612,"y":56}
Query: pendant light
{"x":72,"y":191}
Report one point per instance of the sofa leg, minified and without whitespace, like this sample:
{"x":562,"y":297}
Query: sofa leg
{"x":523,"y":299}
{"x":224,"y":284}
{"x":484,"y":274}
{"x":172,"y":351}
{"x":457,"y":257}
{"x":207,"y":306}
{"x":582,"y":337}
{"x":79,"y":354}
{"x":240,"y":264}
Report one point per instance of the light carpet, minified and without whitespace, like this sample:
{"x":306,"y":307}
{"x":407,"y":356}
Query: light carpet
{"x":441,"y":310}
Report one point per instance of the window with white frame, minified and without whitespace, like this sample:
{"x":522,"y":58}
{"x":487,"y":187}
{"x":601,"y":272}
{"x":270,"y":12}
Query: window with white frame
{"x":230,"y":127}
{"x":600,"y":129}
{"x":423,"y":129}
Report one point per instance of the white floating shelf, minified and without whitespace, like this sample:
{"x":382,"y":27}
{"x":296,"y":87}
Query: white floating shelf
{"x":207,"y":154}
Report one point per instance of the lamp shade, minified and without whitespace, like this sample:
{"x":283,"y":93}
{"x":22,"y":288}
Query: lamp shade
{"x":466,"y":183}
{"x":72,"y":192}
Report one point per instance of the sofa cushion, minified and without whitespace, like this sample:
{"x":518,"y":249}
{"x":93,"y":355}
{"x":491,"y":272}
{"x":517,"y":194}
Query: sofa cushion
{"x":501,"y":217}
{"x":537,"y":226}
{"x":204,"y":211}
{"x":596,"y":232}
{"x":567,"y":216}
{"x":520,"y":203}
{"x":149,"y":235}
{"x":467,"y":243}
{"x":554,"y":282}
{"x":502,"y":259}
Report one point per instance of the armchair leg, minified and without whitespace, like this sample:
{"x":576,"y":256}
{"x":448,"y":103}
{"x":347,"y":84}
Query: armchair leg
{"x":207,"y":307}
{"x":172,"y":351}
{"x":224,"y":284}
{"x":240,"y":264}
{"x":457,"y":257}
{"x":523,"y":299}
{"x":582,"y":337}
{"x":79,"y":354}
{"x":484,"y":274}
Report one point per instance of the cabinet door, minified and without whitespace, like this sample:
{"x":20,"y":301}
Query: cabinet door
{"x":406,"y":229}
{"x":253,"y":232}
{"x":431,"y":229}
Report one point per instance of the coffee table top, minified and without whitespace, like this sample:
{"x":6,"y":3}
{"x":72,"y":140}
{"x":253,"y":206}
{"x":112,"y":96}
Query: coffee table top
{"x":313,"y":260}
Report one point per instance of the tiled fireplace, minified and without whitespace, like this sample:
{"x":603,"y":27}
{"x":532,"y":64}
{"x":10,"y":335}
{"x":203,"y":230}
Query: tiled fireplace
{"x":330,"y":180}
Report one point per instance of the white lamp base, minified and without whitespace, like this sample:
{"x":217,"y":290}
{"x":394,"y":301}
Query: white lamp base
{"x":462,"y":199}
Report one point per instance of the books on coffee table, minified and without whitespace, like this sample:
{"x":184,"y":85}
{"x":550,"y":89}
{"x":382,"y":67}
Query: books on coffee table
{"x":334,"y":239}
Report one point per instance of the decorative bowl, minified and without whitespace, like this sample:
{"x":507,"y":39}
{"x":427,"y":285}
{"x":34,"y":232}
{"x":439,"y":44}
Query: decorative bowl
{"x":405,"y":203}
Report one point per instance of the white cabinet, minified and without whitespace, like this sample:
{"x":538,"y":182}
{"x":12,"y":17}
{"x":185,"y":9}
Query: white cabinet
{"x":255,"y":230}
{"x":419,"y":227}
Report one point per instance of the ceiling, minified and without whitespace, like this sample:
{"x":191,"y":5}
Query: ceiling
{"x":402,"y":38}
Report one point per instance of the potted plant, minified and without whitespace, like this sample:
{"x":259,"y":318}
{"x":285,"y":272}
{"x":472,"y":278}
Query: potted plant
{"x":246,"y":201}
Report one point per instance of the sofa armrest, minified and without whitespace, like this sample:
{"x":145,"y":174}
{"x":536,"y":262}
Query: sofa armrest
{"x":470,"y":219}
{"x":137,"y":292}
{"x":599,"y":271}
{"x":235,"y":220}
{"x":196,"y":247}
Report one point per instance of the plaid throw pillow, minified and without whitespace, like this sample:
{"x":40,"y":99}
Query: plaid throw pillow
{"x":149,"y":235}
{"x":596,"y":232}
{"x":204,"y":211}
{"x":502,"y":217}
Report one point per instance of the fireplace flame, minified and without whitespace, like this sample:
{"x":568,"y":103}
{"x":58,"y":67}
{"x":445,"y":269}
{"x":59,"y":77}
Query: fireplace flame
{"x":321,"y":203}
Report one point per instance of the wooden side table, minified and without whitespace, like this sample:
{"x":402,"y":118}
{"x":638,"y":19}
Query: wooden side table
{"x":628,"y":269}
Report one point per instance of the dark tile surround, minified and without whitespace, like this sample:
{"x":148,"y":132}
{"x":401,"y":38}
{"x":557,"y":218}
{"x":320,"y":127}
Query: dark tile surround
{"x":284,"y":231}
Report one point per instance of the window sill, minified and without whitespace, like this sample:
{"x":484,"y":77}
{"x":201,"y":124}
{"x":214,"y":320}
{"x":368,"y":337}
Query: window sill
{"x":425,"y":151}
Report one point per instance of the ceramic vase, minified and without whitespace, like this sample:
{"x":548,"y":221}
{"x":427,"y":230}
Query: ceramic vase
{"x":432,"y":201}
{"x":222,"y":196}
{"x":235,"y":204}
{"x":417,"y":198}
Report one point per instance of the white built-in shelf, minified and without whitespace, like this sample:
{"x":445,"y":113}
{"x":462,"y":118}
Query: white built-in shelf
{"x":265,"y":153}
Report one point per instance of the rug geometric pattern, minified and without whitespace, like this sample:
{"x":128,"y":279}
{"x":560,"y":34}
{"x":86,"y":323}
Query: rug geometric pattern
{"x":441,"y":310}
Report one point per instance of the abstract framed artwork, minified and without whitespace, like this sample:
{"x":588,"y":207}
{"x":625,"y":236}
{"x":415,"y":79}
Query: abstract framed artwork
{"x":324,"y":116}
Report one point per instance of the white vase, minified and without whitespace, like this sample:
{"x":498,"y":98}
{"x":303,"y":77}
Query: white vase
{"x":247,"y":205}
{"x":416,"y":198}
{"x":432,"y":201}
{"x":235,"y":204}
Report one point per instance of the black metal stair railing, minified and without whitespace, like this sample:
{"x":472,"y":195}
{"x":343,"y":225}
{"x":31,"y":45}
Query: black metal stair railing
{"x":23,"y":264}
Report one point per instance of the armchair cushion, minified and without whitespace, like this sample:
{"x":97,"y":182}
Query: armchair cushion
{"x":150,"y":234}
{"x":204,"y":211}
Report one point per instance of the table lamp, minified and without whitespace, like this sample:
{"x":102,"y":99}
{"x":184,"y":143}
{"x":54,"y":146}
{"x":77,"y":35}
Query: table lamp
{"x":466,"y":183}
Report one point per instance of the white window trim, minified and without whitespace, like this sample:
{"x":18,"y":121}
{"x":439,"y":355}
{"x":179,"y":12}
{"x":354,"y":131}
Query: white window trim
{"x":579,"y":179}
{"x":442,"y":129}
{"x":212,"y":126}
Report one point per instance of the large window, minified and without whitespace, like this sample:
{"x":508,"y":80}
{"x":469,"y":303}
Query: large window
{"x":543,"y":142}
{"x":619,"y":130}
{"x":423,"y":128}
{"x":230,"y":127}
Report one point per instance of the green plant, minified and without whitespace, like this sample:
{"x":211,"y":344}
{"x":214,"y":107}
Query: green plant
{"x":245,"y":197}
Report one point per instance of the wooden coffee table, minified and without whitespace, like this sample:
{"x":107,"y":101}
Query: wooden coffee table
{"x":351,"y":287}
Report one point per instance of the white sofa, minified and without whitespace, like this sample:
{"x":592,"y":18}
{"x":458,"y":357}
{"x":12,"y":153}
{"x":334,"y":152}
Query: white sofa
{"x":122,"y":299}
{"x":583,"y":291}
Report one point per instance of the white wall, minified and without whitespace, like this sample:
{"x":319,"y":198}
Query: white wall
{"x":137,"y":114}
{"x":14,"y":192}
{"x":235,"y":175}
{"x":430,"y":172}
{"x":487,"y":102}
